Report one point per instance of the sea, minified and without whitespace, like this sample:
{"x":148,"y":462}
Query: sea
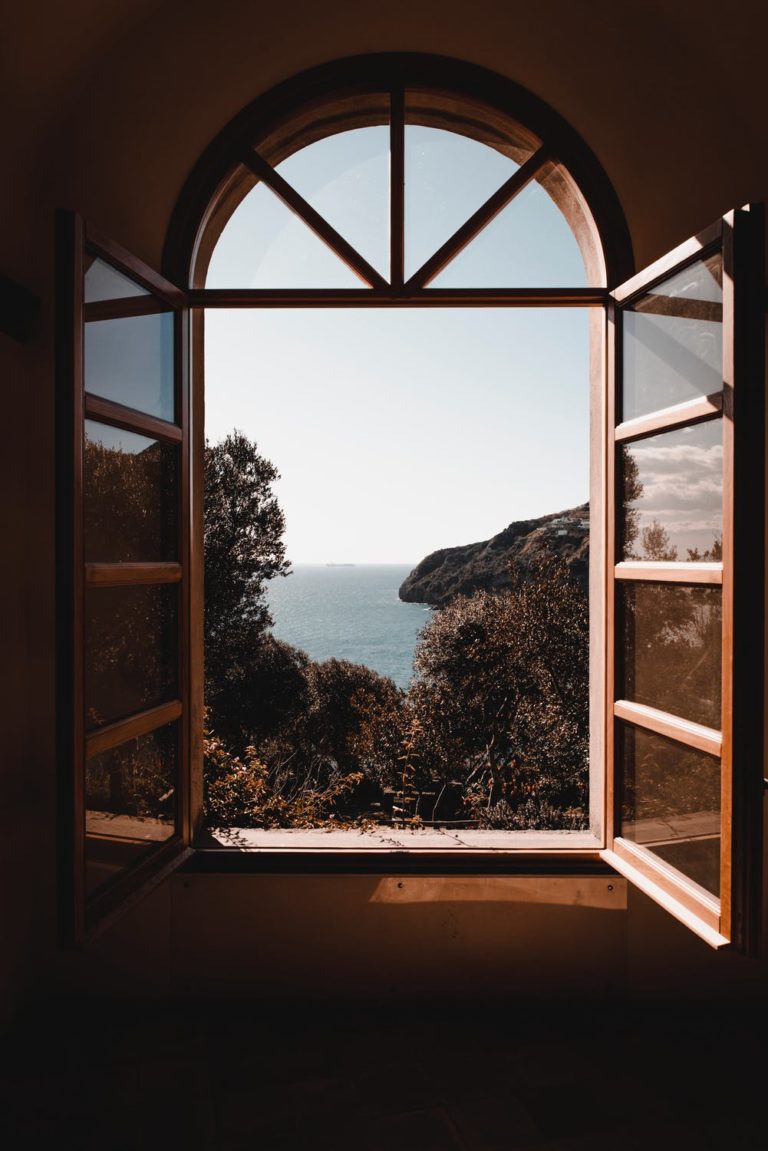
{"x":349,"y":611}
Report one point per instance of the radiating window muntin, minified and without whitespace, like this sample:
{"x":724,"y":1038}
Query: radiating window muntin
{"x":457,"y":152}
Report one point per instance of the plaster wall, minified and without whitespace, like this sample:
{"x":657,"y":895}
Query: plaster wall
{"x":105,"y":109}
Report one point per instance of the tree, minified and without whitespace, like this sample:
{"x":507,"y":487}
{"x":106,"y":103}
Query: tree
{"x":244,"y":529}
{"x":244,"y":549}
{"x":344,"y":695}
{"x":631,"y":491}
{"x":501,"y":701}
{"x":712,"y":554}
{"x":256,"y":687}
{"x":656,"y":543}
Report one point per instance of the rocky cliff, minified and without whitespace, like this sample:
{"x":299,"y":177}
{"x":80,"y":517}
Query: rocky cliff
{"x":471,"y":567}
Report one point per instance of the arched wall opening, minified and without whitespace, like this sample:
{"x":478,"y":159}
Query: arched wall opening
{"x":399,"y":97}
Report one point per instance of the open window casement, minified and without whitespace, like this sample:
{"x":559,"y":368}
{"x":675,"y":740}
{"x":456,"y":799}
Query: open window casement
{"x":123,"y":575}
{"x":686,"y":579}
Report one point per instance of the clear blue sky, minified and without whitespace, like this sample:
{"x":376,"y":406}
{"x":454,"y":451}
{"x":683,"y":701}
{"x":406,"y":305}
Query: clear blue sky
{"x":400,"y":431}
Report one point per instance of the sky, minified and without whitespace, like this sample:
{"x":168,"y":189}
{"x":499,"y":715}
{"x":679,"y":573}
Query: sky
{"x":397,"y":432}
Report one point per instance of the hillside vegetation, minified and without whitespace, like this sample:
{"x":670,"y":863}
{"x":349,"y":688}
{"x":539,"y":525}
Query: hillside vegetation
{"x":490,"y":564}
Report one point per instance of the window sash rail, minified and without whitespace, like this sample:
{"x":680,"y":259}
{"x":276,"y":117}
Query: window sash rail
{"x":677,"y":571}
{"x":122,"y":574}
{"x":130,"y":419}
{"x":685,"y":731}
{"x":680,"y":415}
{"x":142,"y":723}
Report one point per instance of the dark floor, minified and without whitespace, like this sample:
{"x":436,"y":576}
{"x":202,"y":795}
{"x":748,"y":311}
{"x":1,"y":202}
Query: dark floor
{"x":228,"y":1076}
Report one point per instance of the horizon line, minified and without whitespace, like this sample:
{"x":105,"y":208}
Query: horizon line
{"x":353,"y":563}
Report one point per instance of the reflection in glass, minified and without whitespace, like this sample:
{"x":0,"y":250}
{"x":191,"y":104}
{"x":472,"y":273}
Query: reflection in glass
{"x":130,"y":801}
{"x":672,"y":645}
{"x":266,"y":245}
{"x":447,"y":178}
{"x":131,"y":652}
{"x":103,"y":282}
{"x":529,"y":244}
{"x":672,"y":495}
{"x":673,"y":341}
{"x":130,"y":496}
{"x":671,"y":803}
{"x":129,"y":360}
{"x":345,"y":177}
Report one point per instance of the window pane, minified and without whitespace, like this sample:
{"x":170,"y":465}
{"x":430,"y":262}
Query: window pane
{"x":673,"y":341}
{"x":129,"y":360}
{"x":672,"y":645}
{"x":130,"y":801}
{"x":345,"y":178}
{"x":447,"y":177}
{"x":130,"y":496}
{"x":266,"y":245}
{"x":131,"y":651}
{"x":103,"y":282}
{"x":671,"y":803}
{"x":529,"y":244}
{"x":673,"y":494}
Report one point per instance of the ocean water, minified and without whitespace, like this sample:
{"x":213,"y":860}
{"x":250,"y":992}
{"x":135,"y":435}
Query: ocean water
{"x":349,"y":612}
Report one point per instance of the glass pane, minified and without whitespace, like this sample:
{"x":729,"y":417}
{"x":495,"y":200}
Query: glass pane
{"x":345,"y":178}
{"x":130,"y":802}
{"x":529,"y":244}
{"x":130,"y":650}
{"x":673,"y":341}
{"x":672,"y":497}
{"x":447,"y":178}
{"x":103,"y":282}
{"x":130,"y":496}
{"x":266,"y":245}
{"x":671,"y":803}
{"x":672,"y":645}
{"x":129,"y":360}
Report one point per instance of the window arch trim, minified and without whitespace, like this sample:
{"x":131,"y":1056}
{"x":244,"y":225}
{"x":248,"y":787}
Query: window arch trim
{"x":360,"y":91}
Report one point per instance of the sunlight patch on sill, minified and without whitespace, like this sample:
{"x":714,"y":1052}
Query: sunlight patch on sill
{"x":564,"y":891}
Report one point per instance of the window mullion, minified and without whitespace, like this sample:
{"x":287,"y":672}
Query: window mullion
{"x":397,"y":187}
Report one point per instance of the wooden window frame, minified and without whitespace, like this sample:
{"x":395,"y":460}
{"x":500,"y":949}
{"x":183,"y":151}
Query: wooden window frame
{"x":734,"y":917}
{"x":250,"y":148}
{"x":82,"y":917}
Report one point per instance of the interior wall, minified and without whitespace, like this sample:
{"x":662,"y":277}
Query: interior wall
{"x":107,"y":107}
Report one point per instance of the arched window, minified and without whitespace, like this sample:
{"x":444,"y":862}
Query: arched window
{"x":415,"y":182}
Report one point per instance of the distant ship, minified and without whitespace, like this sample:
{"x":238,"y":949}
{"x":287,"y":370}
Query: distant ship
{"x":340,"y":565}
